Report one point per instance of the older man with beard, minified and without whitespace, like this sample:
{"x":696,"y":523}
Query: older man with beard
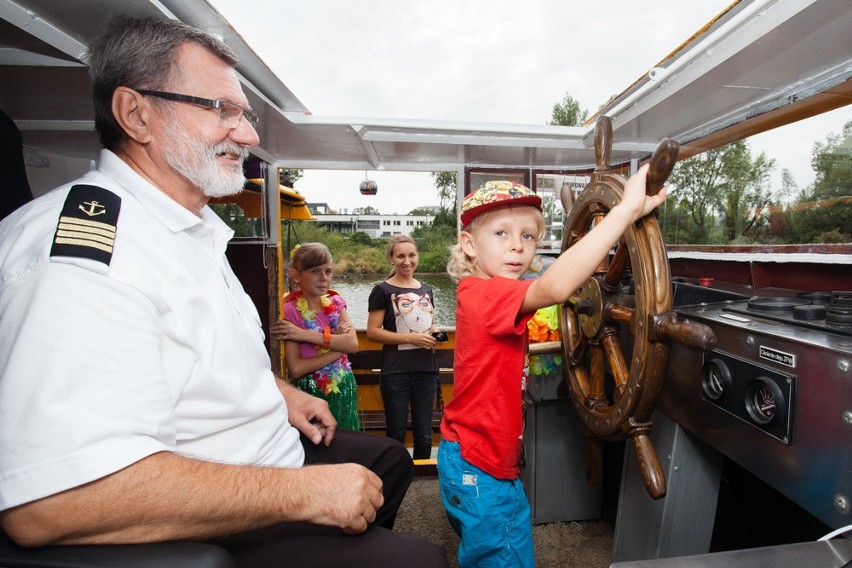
{"x":137,"y":402}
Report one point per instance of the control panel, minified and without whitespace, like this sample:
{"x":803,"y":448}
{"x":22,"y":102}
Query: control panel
{"x":761,"y":397}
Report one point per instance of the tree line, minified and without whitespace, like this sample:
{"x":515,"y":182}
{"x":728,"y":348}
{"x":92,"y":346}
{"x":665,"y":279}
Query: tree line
{"x":726,"y":195}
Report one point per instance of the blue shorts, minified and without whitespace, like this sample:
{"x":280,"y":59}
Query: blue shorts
{"x":491,"y":516}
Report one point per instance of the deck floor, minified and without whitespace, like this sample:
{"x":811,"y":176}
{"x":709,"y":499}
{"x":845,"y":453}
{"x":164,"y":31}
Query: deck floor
{"x":586,"y":544}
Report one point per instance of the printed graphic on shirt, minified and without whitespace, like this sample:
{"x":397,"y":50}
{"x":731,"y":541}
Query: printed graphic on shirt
{"x":86,"y":227}
{"x":413,"y":314}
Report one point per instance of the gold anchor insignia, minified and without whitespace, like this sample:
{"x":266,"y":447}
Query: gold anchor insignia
{"x":95,"y":208}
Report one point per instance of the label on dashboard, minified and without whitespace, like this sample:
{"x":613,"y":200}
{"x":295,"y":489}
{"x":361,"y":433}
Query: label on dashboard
{"x":787,"y":359}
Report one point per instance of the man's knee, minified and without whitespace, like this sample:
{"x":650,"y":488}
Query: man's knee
{"x":431,"y":556}
{"x":417,"y":552}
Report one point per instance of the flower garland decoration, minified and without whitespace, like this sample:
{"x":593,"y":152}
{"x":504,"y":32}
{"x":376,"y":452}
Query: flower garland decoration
{"x":329,"y":377}
{"x":544,"y":326}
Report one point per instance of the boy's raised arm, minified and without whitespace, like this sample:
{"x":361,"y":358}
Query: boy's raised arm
{"x":576,"y":264}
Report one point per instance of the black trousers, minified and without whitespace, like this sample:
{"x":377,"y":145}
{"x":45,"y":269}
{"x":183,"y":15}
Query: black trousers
{"x":297,"y":545}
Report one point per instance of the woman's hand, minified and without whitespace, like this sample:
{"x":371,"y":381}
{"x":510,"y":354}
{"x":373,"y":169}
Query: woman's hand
{"x":422,"y":340}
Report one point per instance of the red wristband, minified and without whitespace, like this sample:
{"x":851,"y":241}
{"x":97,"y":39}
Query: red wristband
{"x":326,"y":337}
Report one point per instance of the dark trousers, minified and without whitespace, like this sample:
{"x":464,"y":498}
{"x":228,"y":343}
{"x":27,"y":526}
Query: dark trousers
{"x":417,"y":390}
{"x":303,"y":544}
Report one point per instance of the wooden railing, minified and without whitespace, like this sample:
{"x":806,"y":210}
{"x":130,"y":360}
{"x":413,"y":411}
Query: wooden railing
{"x":366,"y":365}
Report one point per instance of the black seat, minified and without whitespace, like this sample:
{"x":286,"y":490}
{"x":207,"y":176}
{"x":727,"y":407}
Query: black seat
{"x":159,"y":555}
{"x":14,"y":187}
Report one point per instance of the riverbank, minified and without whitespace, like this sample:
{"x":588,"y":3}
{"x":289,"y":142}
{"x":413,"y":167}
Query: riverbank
{"x":359,"y":254}
{"x":356,"y":288}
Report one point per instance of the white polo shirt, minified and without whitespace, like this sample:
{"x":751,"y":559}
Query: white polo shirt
{"x":105,"y":361}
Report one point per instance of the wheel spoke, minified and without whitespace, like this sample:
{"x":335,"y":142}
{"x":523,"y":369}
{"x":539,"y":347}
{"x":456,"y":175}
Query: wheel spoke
{"x":597,"y":371}
{"x":578,"y":354}
{"x":582,"y":381}
{"x":598,"y":216}
{"x":617,"y":364}
{"x":621,"y":314}
{"x":616,"y":269}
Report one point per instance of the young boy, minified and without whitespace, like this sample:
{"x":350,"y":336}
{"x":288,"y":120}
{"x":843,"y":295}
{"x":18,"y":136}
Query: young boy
{"x":482,"y":426}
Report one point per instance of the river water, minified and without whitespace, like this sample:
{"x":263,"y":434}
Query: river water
{"x":356,"y":291}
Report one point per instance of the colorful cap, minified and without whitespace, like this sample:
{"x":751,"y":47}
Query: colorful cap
{"x":496,"y":194}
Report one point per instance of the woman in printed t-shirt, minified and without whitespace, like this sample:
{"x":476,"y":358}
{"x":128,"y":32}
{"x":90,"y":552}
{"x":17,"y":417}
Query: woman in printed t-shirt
{"x":402,"y":319}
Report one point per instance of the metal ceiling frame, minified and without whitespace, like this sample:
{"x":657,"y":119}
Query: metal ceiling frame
{"x":662,"y":102}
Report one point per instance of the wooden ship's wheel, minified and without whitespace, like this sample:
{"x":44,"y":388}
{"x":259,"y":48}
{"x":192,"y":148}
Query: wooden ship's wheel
{"x":615,"y":392}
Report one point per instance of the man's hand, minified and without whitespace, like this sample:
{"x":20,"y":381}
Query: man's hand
{"x":308,"y":414}
{"x":350,"y":502}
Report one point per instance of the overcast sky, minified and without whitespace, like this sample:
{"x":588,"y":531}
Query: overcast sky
{"x":474,"y":61}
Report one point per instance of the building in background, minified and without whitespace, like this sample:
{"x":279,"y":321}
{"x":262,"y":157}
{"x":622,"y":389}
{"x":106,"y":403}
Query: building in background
{"x":374,"y":225}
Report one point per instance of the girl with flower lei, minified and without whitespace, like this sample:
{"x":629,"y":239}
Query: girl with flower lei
{"x":319,"y":334}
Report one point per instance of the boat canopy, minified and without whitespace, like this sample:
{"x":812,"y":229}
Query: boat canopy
{"x":757,"y":65}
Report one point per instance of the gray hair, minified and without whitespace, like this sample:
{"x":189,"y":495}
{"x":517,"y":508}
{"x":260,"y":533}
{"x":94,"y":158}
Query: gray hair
{"x":139,"y":53}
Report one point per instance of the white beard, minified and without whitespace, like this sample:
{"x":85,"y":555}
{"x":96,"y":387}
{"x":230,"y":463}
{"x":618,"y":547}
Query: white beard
{"x":195,"y":161}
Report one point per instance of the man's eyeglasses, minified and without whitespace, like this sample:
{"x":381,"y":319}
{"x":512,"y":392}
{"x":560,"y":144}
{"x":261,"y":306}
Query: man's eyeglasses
{"x":229,"y":113}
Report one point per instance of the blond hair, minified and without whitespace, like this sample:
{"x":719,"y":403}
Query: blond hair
{"x":461,"y":265}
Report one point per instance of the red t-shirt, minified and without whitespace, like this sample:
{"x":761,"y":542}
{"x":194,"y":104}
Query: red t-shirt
{"x":485,"y":415}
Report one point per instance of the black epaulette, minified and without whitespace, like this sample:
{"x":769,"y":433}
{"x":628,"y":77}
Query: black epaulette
{"x":87,"y":224}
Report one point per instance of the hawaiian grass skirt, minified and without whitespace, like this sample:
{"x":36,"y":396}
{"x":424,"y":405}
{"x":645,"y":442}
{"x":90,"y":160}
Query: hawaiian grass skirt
{"x":343,"y":405}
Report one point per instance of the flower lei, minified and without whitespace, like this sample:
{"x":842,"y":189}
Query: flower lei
{"x":544,"y":326}
{"x":329,"y":377}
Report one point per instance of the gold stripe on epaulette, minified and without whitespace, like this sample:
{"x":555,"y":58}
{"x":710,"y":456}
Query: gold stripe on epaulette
{"x":83,"y":243}
{"x":86,"y":230}
{"x":93,"y":224}
{"x":85,"y":233}
{"x":82,"y":236}
{"x":86,"y":227}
